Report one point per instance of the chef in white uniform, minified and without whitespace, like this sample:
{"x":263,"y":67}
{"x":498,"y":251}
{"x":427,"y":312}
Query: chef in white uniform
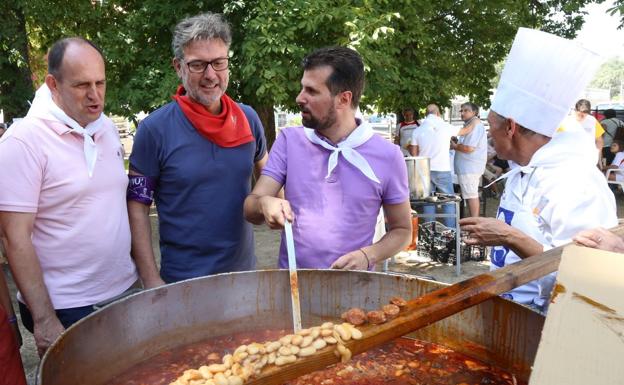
{"x":553,"y":190}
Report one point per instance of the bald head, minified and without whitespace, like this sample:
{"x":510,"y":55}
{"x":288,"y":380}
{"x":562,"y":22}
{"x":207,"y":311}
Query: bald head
{"x":58,"y":50}
{"x":433,"y":109}
{"x":77,"y":79}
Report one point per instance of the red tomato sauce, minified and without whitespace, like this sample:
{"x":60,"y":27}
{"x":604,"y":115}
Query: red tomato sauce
{"x":400,"y":362}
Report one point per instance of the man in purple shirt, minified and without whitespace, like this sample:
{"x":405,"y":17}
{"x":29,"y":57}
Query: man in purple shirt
{"x":335,"y":172}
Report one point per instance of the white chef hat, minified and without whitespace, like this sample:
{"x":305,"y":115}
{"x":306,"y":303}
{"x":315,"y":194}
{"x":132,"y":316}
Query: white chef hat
{"x":543,"y":77}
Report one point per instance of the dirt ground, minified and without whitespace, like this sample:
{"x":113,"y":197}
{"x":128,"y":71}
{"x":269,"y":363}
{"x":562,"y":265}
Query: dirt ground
{"x":267,"y":248}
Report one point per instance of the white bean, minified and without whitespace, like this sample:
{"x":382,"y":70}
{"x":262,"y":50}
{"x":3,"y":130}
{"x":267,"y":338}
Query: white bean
{"x":345,"y":354}
{"x":283,"y":360}
{"x":220,"y":379}
{"x":253,"y":349}
{"x":240,"y":356}
{"x":240,"y":349}
{"x":286,"y":340}
{"x":343,"y":332}
{"x":271,"y":357}
{"x":245,"y":373}
{"x":304,"y":332}
{"x":216,"y":368}
{"x":308,"y":351}
{"x":330,"y":340}
{"x":327,"y":325}
{"x":235,"y":380}
{"x":337,"y":337}
{"x":296,"y":340}
{"x":319,"y":344}
{"x":284,"y":351}
{"x":205,"y":372}
{"x":228,"y":360}
{"x":327,"y":332}
{"x":315,"y":332}
{"x":307,"y":340}
{"x":356,"y":334}
{"x":272,"y":346}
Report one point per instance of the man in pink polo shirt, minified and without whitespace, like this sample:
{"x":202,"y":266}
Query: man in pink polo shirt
{"x":335,"y":172}
{"x":63,"y":197}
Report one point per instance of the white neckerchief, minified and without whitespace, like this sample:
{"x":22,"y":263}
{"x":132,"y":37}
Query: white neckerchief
{"x":359,"y":136}
{"x":43,"y":107}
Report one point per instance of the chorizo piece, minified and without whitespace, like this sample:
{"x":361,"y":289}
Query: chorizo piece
{"x":391,"y":311}
{"x":398,"y":301}
{"x":376,"y":317}
{"x":355,"y":316}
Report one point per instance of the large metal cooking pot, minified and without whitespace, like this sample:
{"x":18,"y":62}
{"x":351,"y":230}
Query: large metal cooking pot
{"x":418,"y":177}
{"x":116,"y":338}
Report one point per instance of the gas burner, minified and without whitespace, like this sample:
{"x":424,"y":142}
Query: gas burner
{"x":437,"y":242}
{"x":437,"y":198}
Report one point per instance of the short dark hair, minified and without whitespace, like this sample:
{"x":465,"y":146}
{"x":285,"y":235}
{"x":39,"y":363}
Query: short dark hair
{"x":620,"y":144}
{"x":473,"y":107}
{"x":610,"y":113}
{"x":57,"y":53}
{"x":347,"y":66}
{"x":583,"y":105}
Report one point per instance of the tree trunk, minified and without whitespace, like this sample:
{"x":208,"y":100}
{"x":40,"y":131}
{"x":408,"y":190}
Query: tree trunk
{"x":267,"y":117}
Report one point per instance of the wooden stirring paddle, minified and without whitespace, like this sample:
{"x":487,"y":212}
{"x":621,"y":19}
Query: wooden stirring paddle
{"x":294,"y":280}
{"x":425,"y":310}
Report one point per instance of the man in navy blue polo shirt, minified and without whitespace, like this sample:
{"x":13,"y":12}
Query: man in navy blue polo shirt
{"x":195,"y":157}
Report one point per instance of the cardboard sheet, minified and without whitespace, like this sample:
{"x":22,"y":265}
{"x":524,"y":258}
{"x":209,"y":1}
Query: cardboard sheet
{"x":583,"y":337}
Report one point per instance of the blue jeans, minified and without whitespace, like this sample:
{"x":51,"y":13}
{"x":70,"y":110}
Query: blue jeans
{"x":67,"y":317}
{"x":441,"y":181}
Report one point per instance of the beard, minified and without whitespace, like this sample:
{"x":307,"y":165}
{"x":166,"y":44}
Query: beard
{"x":319,"y":123}
{"x":194,"y":92}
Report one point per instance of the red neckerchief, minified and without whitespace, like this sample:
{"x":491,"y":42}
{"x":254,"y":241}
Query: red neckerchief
{"x":228,"y":129}
{"x":409,"y":123}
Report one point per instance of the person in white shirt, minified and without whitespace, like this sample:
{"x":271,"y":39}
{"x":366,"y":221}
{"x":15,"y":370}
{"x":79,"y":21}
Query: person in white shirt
{"x":617,"y":148}
{"x":593,"y":128}
{"x":404,"y":130}
{"x":432,"y":140}
{"x":552,"y":192}
{"x":613,"y":131}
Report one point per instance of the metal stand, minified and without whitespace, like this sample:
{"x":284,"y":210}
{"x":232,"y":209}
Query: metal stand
{"x":415,"y":205}
{"x":451,"y":199}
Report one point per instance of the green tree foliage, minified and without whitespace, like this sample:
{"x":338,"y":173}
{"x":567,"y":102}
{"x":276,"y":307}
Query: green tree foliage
{"x":15,"y":75}
{"x":618,"y":7}
{"x":611,"y":76}
{"x":415,"y":51}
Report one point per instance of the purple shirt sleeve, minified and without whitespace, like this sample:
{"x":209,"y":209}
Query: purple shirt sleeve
{"x":276,"y":165}
{"x":396,"y":189}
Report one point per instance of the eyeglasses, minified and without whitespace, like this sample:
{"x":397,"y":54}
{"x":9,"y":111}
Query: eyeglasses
{"x":199,"y":66}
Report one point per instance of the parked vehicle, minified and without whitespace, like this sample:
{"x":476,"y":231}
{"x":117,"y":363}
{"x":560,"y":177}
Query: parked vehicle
{"x":599,"y":109}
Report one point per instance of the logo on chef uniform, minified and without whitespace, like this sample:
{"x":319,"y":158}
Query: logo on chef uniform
{"x":499,"y":253}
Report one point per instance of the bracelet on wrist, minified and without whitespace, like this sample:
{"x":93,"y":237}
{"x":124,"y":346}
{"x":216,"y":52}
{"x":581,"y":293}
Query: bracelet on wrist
{"x":12,"y":320}
{"x":367,"y":260}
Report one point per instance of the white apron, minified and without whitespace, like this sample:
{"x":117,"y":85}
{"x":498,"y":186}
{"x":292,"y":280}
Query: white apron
{"x":514,"y":210}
